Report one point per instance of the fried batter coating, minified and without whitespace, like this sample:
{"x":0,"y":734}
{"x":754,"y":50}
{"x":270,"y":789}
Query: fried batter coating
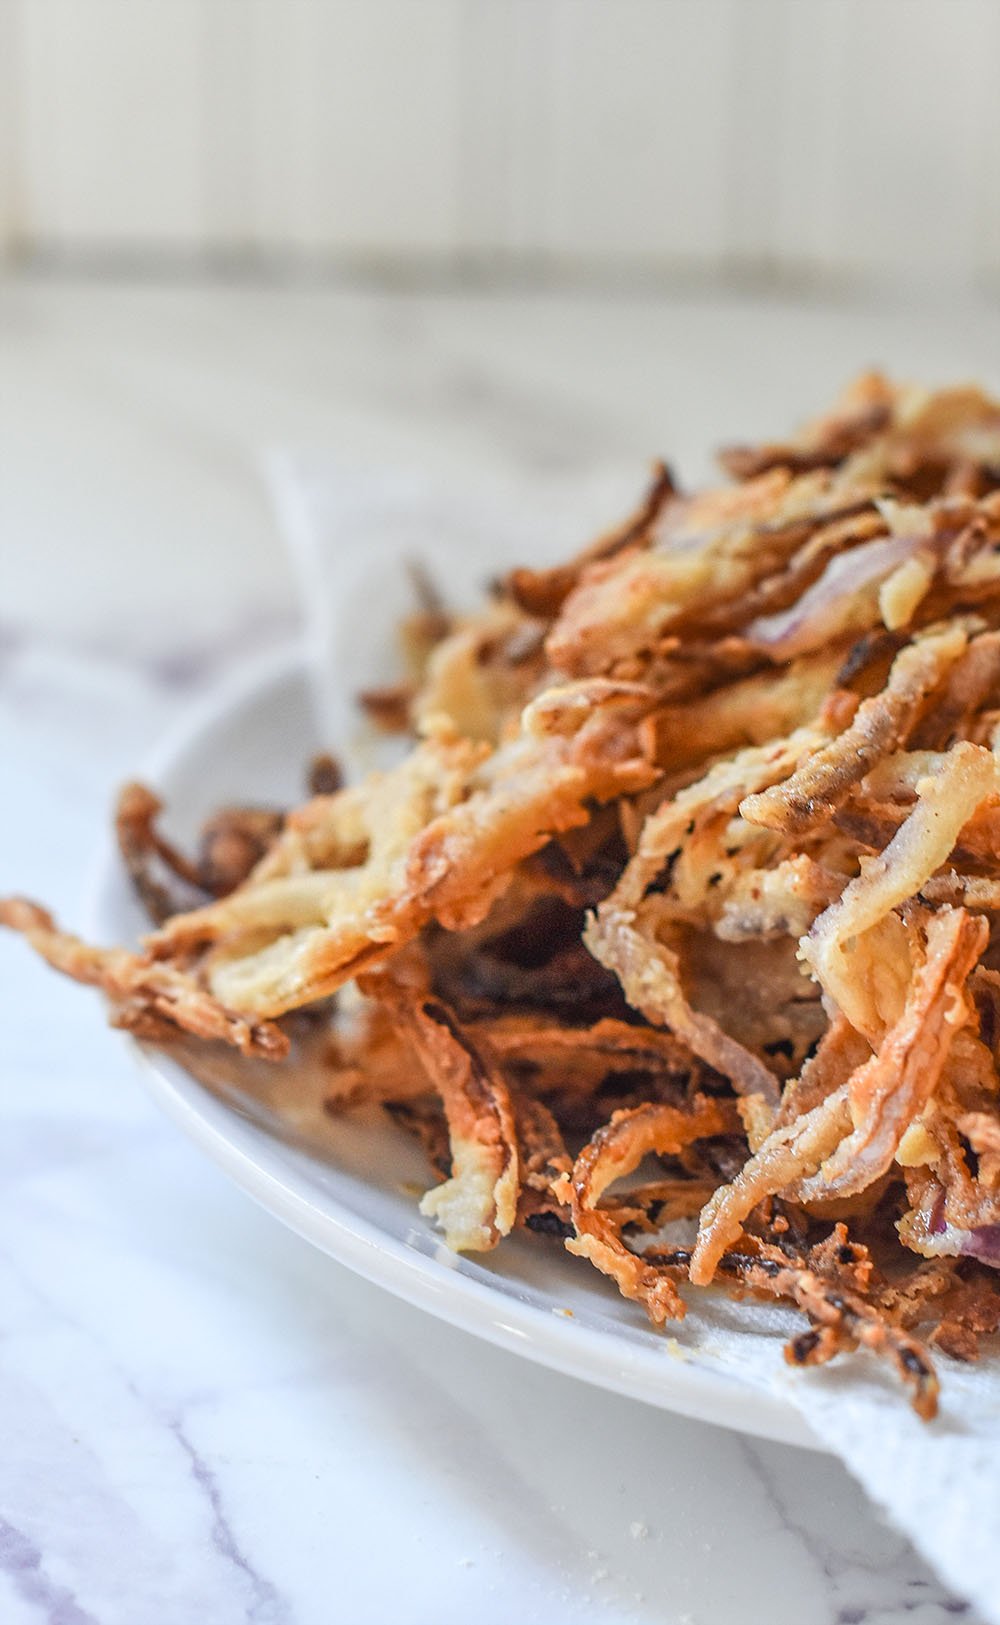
{"x":543,"y":592}
{"x":358,"y":876}
{"x":856,"y":947}
{"x":889,"y":1091}
{"x":151,"y":999}
{"x":233,"y":841}
{"x":477,"y":1203}
{"x":615,"y":1151}
{"x":807,"y":800}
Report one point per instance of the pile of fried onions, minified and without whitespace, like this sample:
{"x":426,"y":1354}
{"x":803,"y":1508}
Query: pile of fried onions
{"x":675,"y":936}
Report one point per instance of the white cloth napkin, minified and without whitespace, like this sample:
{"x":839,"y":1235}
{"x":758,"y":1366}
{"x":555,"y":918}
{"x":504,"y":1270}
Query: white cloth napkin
{"x":351,"y":529}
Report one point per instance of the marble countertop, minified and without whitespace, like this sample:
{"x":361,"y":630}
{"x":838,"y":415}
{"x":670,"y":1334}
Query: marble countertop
{"x":202,"y":1419}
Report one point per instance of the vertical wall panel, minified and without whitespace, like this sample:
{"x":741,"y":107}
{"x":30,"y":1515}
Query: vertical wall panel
{"x":754,"y":73}
{"x":987,"y":158}
{"x":914,"y":94}
{"x":488,"y":89}
{"x":813,"y":50}
{"x":537,"y":68}
{"x":111,"y":125}
{"x":361,"y":121}
{"x":227,"y":108}
{"x":637,"y":169}
{"x":831,"y":138}
{"x":10,"y":187}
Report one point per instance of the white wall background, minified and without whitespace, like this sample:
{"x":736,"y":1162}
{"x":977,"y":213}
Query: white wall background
{"x":828,"y":140}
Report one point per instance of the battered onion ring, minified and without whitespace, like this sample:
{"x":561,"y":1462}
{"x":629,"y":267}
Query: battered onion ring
{"x":854,"y":948}
{"x":477,"y":1204}
{"x":151,"y":999}
{"x":890,"y":1090}
{"x":818,"y":788}
{"x":438,"y":839}
{"x":789,"y":1153}
{"x":841,"y":1317}
{"x":141,"y":846}
{"x":650,"y":975}
{"x":617,"y":1150}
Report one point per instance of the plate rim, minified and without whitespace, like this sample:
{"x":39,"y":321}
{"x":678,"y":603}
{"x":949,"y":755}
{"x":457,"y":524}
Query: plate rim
{"x":544,"y":1336}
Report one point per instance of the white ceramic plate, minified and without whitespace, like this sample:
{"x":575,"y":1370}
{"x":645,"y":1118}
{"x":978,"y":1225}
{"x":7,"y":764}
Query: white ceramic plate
{"x":349,"y":1186}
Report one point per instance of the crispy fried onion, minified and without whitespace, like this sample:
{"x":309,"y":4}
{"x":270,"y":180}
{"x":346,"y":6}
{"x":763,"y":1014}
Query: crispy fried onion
{"x":857,"y":947}
{"x":357,"y":875}
{"x":887,"y":1092}
{"x":233,"y":841}
{"x":609,"y":1038}
{"x":863,"y":411}
{"x":623,"y":934}
{"x":143,"y":848}
{"x":848,"y":1140}
{"x":149,"y":999}
{"x":615,"y":1151}
{"x":477,"y":1204}
{"x":755,"y":732}
{"x":711,"y":548}
{"x":543,"y":592}
{"x":791,"y":1152}
{"x":543,"y":1161}
{"x":841,"y":600}
{"x":808,"y":798}
{"x":651,"y":978}
{"x":841,"y":1317}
